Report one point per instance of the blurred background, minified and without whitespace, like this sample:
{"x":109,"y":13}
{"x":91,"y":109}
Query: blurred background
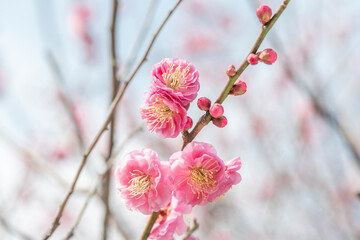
{"x":296,"y":129}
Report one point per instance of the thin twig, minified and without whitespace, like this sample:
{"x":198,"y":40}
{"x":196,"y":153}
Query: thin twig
{"x":102,"y":129}
{"x":206,"y":118}
{"x":12,"y":230}
{"x":149,"y":225}
{"x":139,"y":39}
{"x":92,"y":190}
{"x":115,"y":87}
{"x":37,"y":161}
{"x":191,"y":230}
{"x":65,"y":98}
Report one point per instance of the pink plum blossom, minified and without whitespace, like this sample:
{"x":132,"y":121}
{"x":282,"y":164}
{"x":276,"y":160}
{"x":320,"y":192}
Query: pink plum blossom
{"x":170,"y":221}
{"x":178,"y":78}
{"x":144,"y":181}
{"x":163,"y":115}
{"x":200,"y":176}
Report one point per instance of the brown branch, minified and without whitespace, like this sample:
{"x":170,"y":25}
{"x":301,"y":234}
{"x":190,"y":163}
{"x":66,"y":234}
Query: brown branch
{"x":65,"y":98}
{"x":103,"y":128}
{"x":92,"y":191}
{"x":206,"y":118}
{"x":115,"y":87}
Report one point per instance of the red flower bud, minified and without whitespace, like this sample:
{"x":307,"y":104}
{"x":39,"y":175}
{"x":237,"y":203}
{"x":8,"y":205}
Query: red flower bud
{"x":189,"y":123}
{"x":268,"y":56}
{"x":231,"y":71}
{"x":220,"y":122}
{"x":264,"y":13}
{"x":253,"y":59}
{"x":204,"y":103}
{"x":216,"y":110}
{"x":239,"y":88}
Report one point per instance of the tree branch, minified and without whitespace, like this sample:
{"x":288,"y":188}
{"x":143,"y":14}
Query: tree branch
{"x":104,"y":126}
{"x":206,"y":118}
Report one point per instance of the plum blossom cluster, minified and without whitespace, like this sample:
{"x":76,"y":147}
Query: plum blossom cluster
{"x":175,"y":84}
{"x":193,"y":176}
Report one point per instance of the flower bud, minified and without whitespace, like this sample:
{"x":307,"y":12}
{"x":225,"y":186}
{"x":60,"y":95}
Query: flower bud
{"x":239,"y":88}
{"x":204,"y":103}
{"x":264,"y":13}
{"x":253,"y":59}
{"x":188,"y":124}
{"x":216,"y":110}
{"x":268,"y":56}
{"x":231,"y":71}
{"x":220,"y":122}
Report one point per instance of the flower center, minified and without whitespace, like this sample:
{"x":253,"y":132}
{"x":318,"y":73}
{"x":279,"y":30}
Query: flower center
{"x":140,"y":183}
{"x":201,"y":181}
{"x":175,"y":78}
{"x":157,"y":114}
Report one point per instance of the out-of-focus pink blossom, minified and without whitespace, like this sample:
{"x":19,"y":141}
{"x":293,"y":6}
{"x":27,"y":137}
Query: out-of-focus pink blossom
{"x":163,"y":114}
{"x":170,"y":221}
{"x":144,"y":181}
{"x":79,"y":24}
{"x":253,"y":59}
{"x":199,"y":174}
{"x":268,"y":56}
{"x":220,"y":122}
{"x":216,"y":110}
{"x":178,"y":78}
{"x":264,"y":13}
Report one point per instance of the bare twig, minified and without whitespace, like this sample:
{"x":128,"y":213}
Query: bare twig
{"x":139,"y":39}
{"x":12,"y":230}
{"x":93,"y":189}
{"x":37,"y":161}
{"x":206,"y":118}
{"x":104,"y":126}
{"x":65,"y":98}
{"x":191,"y":230}
{"x":115,"y":86}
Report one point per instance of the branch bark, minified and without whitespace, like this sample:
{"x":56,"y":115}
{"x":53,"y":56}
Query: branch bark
{"x":103,"y":128}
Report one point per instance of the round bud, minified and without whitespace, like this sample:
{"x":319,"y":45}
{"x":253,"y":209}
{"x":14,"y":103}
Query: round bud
{"x":239,"y":88}
{"x":216,"y":110}
{"x":253,"y":59}
{"x":268,"y":56}
{"x":264,"y":14}
{"x":219,"y":122}
{"x":231,"y":71}
{"x":204,"y":103}
{"x":189,"y":123}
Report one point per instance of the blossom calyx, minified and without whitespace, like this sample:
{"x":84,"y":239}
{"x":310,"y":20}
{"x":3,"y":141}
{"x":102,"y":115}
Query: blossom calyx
{"x":264,"y":14}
